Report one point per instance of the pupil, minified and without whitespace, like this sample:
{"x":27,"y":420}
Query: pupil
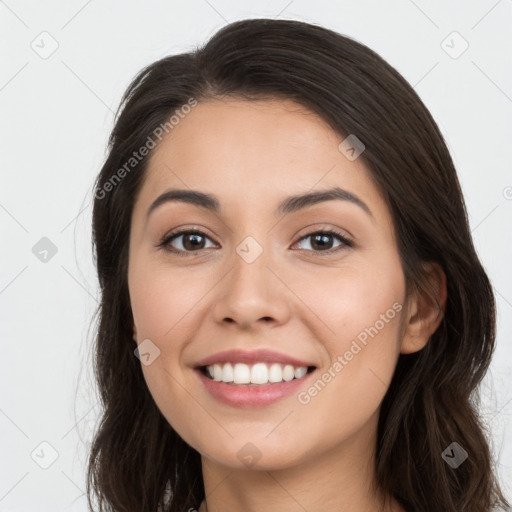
{"x":193,"y":245}
{"x":319,"y":242}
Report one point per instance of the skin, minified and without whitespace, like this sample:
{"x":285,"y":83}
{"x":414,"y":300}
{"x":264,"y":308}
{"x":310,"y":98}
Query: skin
{"x":293,"y":298}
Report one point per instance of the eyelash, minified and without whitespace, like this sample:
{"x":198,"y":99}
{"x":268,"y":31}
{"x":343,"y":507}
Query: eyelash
{"x":165,"y":241}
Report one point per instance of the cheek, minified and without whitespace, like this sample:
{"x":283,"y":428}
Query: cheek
{"x":350,"y":299}
{"x":364,"y":313}
{"x":161,"y":300}
{"x":163,"y":304}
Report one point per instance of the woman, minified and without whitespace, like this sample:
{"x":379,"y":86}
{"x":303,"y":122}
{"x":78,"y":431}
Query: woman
{"x":293,"y":314}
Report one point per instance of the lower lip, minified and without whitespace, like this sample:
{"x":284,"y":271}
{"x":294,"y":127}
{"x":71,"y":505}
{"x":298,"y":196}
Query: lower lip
{"x":252,"y":395}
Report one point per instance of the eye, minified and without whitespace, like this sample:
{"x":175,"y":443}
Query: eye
{"x":322,"y":241}
{"x":192,"y":241}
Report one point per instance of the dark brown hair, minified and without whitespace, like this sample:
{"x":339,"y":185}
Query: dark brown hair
{"x":137,"y":461}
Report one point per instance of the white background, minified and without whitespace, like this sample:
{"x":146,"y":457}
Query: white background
{"x":56,"y":114}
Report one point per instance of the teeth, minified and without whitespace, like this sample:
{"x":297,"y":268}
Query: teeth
{"x":288,"y":372}
{"x":275,"y":373}
{"x":227,"y":373}
{"x":217,"y":372}
{"x":300,"y":372}
{"x":241,"y":374}
{"x":258,"y":373}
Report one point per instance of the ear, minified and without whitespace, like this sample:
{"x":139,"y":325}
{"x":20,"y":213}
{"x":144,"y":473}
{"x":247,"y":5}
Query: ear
{"x":134,"y":333}
{"x":425,"y":310}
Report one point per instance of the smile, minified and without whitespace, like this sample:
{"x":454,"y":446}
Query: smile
{"x":250,"y":394}
{"x":257,"y":374}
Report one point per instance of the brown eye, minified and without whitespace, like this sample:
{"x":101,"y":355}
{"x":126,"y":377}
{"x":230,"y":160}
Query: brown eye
{"x":185,"y":241}
{"x":322,"y":241}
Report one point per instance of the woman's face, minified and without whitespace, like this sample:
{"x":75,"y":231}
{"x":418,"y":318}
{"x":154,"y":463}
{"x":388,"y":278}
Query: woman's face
{"x":261,"y":277}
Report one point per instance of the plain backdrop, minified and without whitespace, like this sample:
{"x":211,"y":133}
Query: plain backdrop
{"x":64,"y":67}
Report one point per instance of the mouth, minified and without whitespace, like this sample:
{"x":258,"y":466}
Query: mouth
{"x":253,"y":375}
{"x":253,"y":386}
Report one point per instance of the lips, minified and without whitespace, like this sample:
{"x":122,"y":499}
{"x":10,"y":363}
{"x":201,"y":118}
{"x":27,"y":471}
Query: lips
{"x":252,"y":357}
{"x":253,"y":395}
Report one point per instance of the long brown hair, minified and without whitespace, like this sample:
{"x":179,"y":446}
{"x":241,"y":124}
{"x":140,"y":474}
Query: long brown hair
{"x":137,"y":461}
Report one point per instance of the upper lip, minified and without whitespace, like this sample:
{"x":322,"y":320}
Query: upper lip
{"x":251,"y":357}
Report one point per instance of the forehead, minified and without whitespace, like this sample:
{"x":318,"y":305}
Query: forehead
{"x":254,"y":152}
{"x":270,"y":131}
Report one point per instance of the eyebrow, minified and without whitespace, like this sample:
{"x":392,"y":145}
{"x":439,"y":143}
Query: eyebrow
{"x":289,"y":205}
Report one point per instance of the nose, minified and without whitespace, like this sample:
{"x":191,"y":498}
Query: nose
{"x":252,"y":295}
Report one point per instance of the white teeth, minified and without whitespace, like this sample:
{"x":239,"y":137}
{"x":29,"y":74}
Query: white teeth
{"x":258,"y":373}
{"x":227,"y":373}
{"x":288,"y":372}
{"x":300,"y":372}
{"x":241,"y":374}
{"x":275,"y":373}
{"x":217,"y":372}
